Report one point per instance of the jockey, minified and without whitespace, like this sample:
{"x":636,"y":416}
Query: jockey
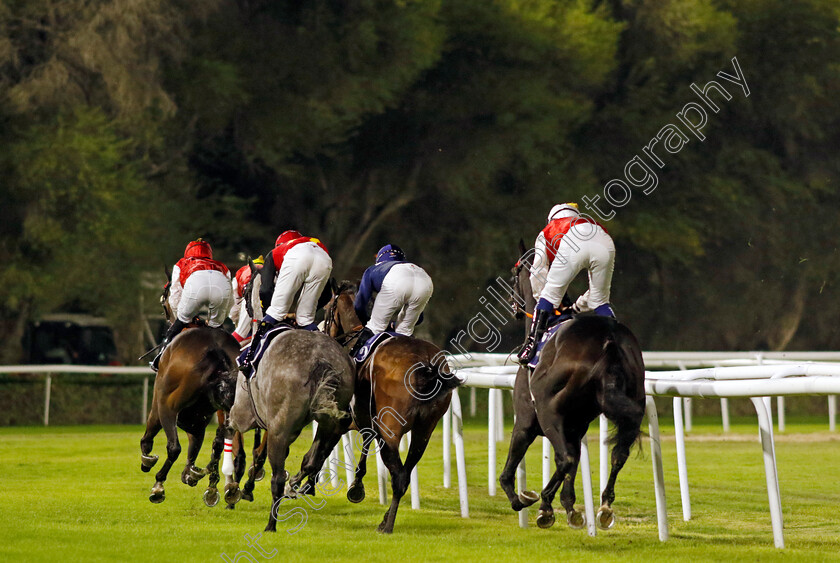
{"x":403,"y":290}
{"x":197,"y":280}
{"x":587,"y":246}
{"x":239,"y":312}
{"x":298,"y":266}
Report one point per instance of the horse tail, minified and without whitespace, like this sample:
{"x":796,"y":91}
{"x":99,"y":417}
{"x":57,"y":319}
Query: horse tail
{"x":217,"y":370}
{"x":621,"y":392}
{"x":328,"y":380}
{"x":215,"y":364}
{"x":430,"y":380}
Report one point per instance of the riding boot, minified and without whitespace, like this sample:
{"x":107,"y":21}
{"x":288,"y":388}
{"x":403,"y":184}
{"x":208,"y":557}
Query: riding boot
{"x":262,"y":328}
{"x":537,"y":330}
{"x":361,"y":340}
{"x":173,"y":331}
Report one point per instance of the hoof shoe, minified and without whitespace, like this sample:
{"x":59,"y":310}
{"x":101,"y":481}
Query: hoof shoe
{"x":576,"y":520}
{"x":211,"y":497}
{"x":527,"y":498}
{"x":545,"y":519}
{"x":157,"y":495}
{"x":259,"y":476}
{"x":233,"y":494}
{"x":605,"y":519}
{"x":147,"y":462}
{"x":356,"y":494}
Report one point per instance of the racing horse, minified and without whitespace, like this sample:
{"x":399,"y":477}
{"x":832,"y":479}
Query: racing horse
{"x":302,"y":376}
{"x":592,"y":365}
{"x":404,"y":385}
{"x":197,"y":378}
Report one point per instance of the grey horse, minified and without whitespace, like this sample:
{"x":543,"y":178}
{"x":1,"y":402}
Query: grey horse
{"x":303,"y":376}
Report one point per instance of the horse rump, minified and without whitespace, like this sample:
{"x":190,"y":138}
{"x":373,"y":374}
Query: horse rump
{"x":623,"y":397}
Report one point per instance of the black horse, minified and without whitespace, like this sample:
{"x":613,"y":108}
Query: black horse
{"x":592,"y":365}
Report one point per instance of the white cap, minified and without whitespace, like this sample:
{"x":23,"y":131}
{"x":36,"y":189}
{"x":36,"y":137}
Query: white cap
{"x":562,"y":210}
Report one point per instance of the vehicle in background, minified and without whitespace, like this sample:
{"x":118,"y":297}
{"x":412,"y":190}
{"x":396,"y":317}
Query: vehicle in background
{"x":65,"y":338}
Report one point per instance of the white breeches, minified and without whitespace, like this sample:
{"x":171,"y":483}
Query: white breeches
{"x":239,"y":315}
{"x":206,"y":288}
{"x":585,"y":250}
{"x":305,"y":272}
{"x":405,"y":292}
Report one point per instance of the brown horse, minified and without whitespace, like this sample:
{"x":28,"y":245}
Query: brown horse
{"x":405,"y":385}
{"x":197,"y":378}
{"x":592,"y":365}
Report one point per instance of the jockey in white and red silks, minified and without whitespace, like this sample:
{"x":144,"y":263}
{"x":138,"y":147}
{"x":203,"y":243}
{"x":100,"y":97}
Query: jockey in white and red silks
{"x":568,"y":244}
{"x":298,"y":268}
{"x":239,"y":311}
{"x":197,"y":281}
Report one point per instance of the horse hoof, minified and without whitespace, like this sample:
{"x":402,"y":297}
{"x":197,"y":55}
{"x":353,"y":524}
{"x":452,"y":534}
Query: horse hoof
{"x":197,"y":474}
{"x":157,"y":495}
{"x":211,"y":497}
{"x":527,"y":498}
{"x":260,"y":475}
{"x":576,"y":520}
{"x":545,"y":519}
{"x":248,"y":496}
{"x":356,"y":494}
{"x":230,"y":507}
{"x":233,"y":494}
{"x":605,"y":518}
{"x":383,"y":530}
{"x":147,"y":462}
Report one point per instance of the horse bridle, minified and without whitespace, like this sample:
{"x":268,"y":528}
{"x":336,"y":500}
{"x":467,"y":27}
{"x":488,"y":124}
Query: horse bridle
{"x":517,"y":291}
{"x":331,"y":319}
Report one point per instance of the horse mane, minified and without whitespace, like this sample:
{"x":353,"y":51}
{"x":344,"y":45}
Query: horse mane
{"x":347,"y":285}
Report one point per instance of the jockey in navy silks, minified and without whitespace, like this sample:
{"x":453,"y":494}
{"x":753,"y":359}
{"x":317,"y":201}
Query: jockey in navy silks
{"x":568,"y":244}
{"x":403,"y":289}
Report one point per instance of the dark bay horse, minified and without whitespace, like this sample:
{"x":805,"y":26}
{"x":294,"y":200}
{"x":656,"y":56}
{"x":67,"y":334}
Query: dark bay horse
{"x":303,"y":376}
{"x":197,"y":378}
{"x":404,"y":385}
{"x":592,"y":365}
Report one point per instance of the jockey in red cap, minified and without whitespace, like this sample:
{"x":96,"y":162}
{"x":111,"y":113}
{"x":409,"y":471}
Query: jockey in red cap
{"x":197,"y":281}
{"x":298,"y":267}
{"x":239,"y":312}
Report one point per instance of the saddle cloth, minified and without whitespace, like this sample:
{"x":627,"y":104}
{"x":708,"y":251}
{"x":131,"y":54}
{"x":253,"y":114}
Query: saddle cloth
{"x":372,"y":344}
{"x":262,"y":345}
{"x":545,"y":338}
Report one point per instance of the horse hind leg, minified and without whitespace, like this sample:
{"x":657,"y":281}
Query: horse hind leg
{"x":211,"y":494}
{"x":153,"y":426}
{"x":521,"y":438}
{"x":564,"y":462}
{"x":278,"y":450}
{"x":356,"y":491}
{"x":325,"y":440}
{"x":173,"y":450}
{"x":191,"y":474}
{"x":399,"y":482}
{"x":626,"y":435}
{"x":574,"y":518}
{"x":257,"y":470}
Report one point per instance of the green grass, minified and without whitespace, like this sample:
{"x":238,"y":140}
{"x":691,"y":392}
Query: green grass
{"x":77,"y":494}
